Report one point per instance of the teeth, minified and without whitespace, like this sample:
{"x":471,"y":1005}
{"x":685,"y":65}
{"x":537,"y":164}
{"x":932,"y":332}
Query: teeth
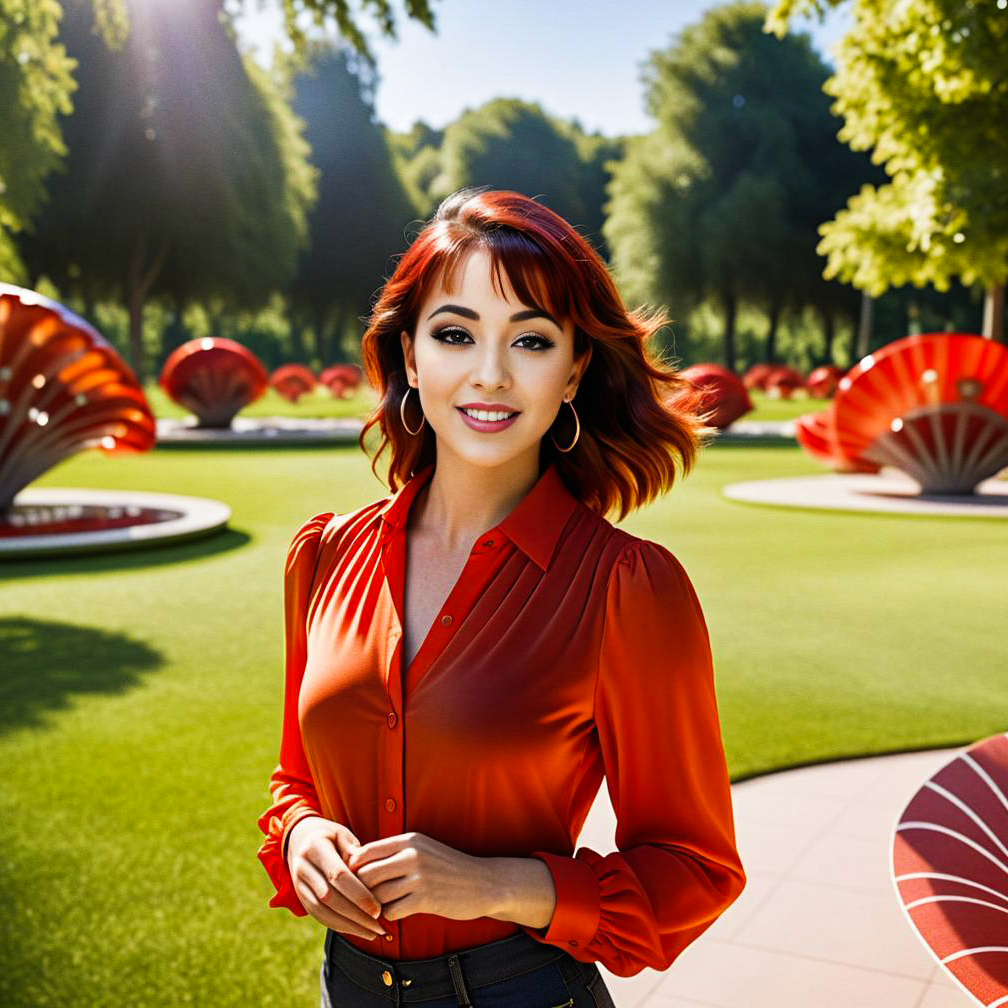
{"x":485,"y":416}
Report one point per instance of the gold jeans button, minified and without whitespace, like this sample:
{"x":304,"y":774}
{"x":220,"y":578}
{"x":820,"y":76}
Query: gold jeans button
{"x":386,"y":978}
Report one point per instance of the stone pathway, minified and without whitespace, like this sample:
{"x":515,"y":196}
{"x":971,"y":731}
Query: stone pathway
{"x":819,"y":924}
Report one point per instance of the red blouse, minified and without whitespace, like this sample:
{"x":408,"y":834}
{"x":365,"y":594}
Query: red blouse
{"x":567,"y":650}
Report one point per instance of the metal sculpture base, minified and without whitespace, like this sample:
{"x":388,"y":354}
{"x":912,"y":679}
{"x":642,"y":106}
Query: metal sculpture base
{"x":889,"y":492}
{"x":48,"y":521}
{"x":261,"y":431}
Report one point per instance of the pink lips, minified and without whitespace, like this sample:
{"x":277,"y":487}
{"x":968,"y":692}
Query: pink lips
{"x":486,"y":425}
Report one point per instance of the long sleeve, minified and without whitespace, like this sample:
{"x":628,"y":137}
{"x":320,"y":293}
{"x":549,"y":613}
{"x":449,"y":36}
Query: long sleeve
{"x":291,"y":785}
{"x":676,"y":868}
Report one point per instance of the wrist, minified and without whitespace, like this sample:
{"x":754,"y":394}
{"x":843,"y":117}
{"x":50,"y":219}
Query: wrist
{"x":290,"y":832}
{"x":521,"y":890}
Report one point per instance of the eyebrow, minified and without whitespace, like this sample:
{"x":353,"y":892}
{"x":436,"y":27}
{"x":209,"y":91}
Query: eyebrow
{"x":522,"y":316}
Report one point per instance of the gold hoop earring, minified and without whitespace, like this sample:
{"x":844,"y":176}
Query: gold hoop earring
{"x":577,"y":432}
{"x":402,"y":413}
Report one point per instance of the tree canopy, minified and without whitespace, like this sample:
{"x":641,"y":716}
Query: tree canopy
{"x":35,"y":88}
{"x":185,"y":171}
{"x":360,"y":218}
{"x":722,"y":200}
{"x":922,"y":86}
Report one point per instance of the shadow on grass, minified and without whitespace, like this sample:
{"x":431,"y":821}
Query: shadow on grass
{"x":126,"y":558}
{"x":45,"y":662}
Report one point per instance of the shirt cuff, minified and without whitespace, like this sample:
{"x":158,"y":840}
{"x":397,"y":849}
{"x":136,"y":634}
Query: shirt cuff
{"x":578,"y":901}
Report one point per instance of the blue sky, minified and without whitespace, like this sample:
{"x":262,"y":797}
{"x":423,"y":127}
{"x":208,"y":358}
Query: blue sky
{"x":577,"y":58}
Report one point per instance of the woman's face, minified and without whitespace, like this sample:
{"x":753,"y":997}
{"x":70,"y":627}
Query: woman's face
{"x":473,"y":348}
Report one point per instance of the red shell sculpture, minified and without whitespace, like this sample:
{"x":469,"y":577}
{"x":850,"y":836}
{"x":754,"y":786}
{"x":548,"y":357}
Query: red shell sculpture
{"x":63,"y":388}
{"x":823,"y":381}
{"x":782,"y":381}
{"x":934,"y":405}
{"x":950,"y":867}
{"x":816,"y":433}
{"x":292,"y":381}
{"x":214,"y":378}
{"x":720,"y":393}
{"x":341,"y":378}
{"x":755,"y":377}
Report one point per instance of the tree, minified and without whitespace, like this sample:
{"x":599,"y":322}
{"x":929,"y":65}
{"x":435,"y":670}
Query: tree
{"x":35,"y":89}
{"x":923,"y":86}
{"x":362,"y":211}
{"x":185,"y":174}
{"x":721,"y":201}
{"x":36,"y":85}
{"x":511,"y":144}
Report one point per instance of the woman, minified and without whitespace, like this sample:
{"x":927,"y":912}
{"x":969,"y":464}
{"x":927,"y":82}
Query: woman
{"x":468,"y":656}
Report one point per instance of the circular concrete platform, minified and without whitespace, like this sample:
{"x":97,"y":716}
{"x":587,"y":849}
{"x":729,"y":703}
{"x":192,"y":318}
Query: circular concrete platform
{"x":757,"y":430}
{"x":50,"y":521}
{"x":261,"y":431}
{"x":889,"y":492}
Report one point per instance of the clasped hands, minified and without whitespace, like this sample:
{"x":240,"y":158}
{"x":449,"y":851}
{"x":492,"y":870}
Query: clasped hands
{"x":349,"y":886}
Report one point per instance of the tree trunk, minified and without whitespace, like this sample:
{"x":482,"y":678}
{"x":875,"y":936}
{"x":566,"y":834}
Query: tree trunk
{"x":337,"y":321}
{"x":321,"y":344}
{"x":773,"y":316}
{"x":297,"y":341}
{"x":730,"y":310}
{"x":140,"y":278}
{"x":993,"y":317}
{"x":864,"y":330}
{"x":829,"y":334}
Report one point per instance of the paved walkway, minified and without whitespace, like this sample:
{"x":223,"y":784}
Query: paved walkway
{"x":819,"y":924}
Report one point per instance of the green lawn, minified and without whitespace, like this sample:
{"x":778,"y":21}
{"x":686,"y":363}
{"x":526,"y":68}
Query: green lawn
{"x":141,"y":701}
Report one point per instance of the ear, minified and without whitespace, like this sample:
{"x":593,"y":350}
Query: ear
{"x":408,"y":357}
{"x":577,"y":373}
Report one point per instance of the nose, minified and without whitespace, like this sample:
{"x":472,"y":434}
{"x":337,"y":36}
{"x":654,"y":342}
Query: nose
{"x":490,"y":370}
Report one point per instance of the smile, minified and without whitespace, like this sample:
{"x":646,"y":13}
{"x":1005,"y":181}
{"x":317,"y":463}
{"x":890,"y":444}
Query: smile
{"x":483,"y":420}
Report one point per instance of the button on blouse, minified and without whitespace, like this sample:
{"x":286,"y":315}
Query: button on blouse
{"x":567,"y":651}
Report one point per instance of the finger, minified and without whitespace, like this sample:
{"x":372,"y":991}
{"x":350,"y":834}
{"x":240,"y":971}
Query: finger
{"x":388,"y":868}
{"x":340,"y":878}
{"x":325,"y":914}
{"x":375,"y":850}
{"x":345,"y":898}
{"x":312,"y":878}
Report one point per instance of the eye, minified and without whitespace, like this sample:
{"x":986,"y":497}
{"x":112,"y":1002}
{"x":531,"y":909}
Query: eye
{"x":445,"y":335}
{"x":454,"y":336}
{"x":543,"y":342}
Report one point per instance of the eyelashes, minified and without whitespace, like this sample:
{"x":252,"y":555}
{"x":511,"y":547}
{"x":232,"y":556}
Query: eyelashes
{"x":443,"y":335}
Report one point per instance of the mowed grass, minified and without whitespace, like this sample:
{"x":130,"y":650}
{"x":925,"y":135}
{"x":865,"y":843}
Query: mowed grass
{"x":141,"y":701}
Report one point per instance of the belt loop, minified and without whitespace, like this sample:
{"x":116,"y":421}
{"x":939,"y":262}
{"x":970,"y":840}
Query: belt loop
{"x":460,"y":987}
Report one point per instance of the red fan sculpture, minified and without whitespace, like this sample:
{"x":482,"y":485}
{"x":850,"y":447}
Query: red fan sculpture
{"x":816,"y":433}
{"x":950,"y":868}
{"x":823,"y":381}
{"x":214,"y":378}
{"x":292,"y":381}
{"x":719,"y":392}
{"x":933,"y":405}
{"x":341,"y":378}
{"x":756,"y":376}
{"x":62,"y":389}
{"x":781,"y":382}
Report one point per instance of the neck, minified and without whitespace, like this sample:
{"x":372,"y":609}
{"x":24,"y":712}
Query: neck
{"x":462,"y":501}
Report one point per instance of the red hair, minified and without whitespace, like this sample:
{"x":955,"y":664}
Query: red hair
{"x":631,"y":436}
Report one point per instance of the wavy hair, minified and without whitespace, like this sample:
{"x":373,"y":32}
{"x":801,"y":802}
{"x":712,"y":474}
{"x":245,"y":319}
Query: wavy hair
{"x":638,"y":416}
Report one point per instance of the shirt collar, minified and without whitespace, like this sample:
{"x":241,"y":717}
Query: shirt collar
{"x":534,"y":525}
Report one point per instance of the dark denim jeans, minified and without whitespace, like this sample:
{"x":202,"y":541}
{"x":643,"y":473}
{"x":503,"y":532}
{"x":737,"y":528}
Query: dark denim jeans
{"x":516,"y":972}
